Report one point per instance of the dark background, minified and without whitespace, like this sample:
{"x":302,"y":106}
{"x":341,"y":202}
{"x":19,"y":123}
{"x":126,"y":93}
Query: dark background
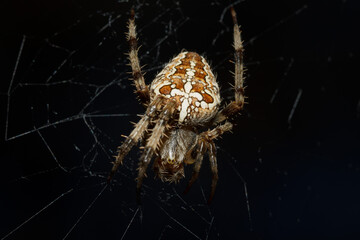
{"x":289,"y":170}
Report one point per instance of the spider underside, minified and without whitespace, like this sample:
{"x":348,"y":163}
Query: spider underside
{"x":182,"y":100}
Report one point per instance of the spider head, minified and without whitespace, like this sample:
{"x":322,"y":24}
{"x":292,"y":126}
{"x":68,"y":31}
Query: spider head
{"x":169,"y":170}
{"x":173,"y":154}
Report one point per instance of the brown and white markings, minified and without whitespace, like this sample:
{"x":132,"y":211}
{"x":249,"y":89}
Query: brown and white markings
{"x":189,"y":80}
{"x":182,"y":100}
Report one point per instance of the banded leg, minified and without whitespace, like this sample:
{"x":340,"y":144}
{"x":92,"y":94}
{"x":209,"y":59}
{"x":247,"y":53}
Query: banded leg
{"x":136,"y":134}
{"x":142,"y":90}
{"x":217,"y":131}
{"x":235,"y":106}
{"x":153,"y":142}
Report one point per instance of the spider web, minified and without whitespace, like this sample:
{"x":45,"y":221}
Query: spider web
{"x":66,"y":101}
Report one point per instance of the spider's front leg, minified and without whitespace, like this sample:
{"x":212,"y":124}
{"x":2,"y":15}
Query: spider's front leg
{"x":206,"y":144}
{"x":142,"y":90}
{"x":235,"y":106}
{"x":136,"y":134}
{"x":153,"y":142}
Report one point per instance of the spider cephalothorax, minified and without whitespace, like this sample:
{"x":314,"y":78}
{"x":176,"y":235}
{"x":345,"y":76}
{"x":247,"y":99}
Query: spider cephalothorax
{"x":181,"y":102}
{"x":169,"y":164}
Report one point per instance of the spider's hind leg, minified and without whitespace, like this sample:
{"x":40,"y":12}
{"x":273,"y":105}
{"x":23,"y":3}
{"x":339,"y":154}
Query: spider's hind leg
{"x":142,"y":90}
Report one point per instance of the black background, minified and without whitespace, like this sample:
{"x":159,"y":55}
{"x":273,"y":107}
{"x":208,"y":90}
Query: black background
{"x":296,"y":163}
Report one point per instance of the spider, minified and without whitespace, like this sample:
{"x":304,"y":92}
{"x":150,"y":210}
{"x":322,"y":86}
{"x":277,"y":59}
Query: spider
{"x":181,"y":102}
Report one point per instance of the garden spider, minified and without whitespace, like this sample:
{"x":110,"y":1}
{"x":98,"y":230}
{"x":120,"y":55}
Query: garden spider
{"x":182,"y":100}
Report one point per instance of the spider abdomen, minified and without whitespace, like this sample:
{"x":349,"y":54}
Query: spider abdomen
{"x":188,"y":79}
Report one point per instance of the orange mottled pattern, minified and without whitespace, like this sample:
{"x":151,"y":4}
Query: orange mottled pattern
{"x":189,"y":80}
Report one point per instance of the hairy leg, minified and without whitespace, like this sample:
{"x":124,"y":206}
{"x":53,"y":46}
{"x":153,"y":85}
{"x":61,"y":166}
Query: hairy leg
{"x":153,"y":142}
{"x":206,"y":144}
{"x":135,"y":135}
{"x":142,"y":90}
{"x":235,"y":106}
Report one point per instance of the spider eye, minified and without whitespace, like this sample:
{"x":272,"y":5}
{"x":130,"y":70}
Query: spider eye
{"x":171,"y":161}
{"x":168,"y":171}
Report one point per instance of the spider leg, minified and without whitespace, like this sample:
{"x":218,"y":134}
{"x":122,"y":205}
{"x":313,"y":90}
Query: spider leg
{"x":201,"y":149}
{"x":153,"y":142}
{"x":135,"y":135}
{"x":217,"y":131}
{"x":214,"y":170}
{"x":235,"y":106}
{"x":142,"y":90}
{"x":206,"y":144}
